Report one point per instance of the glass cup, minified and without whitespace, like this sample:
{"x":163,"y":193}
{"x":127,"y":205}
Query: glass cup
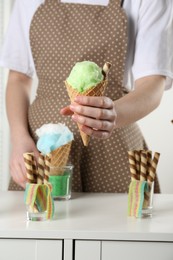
{"x":147,"y":209}
{"x":34,"y":214}
{"x":61,"y":178}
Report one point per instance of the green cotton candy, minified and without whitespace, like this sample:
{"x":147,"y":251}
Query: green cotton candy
{"x":85,"y":75}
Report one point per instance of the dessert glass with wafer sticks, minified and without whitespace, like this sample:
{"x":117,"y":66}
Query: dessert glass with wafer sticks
{"x":151,"y":166}
{"x":143,"y":169}
{"x":35,"y":173}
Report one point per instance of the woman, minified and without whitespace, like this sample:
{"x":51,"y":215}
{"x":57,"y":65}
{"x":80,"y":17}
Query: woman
{"x":50,"y":36}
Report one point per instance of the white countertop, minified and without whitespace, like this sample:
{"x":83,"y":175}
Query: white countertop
{"x":88,"y":216}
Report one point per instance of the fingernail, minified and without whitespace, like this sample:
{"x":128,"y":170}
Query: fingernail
{"x":74,"y":117}
{"x":75,"y":108}
{"x":77,"y":99}
{"x":72,"y":107}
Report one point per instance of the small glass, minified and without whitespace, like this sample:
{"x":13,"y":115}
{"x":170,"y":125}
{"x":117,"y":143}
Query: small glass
{"x":61,"y":178}
{"x":33,"y":214}
{"x":147,"y":209}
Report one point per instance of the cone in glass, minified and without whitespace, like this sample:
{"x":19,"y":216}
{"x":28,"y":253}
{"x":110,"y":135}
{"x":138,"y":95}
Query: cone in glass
{"x":59,"y":158}
{"x":95,"y":91}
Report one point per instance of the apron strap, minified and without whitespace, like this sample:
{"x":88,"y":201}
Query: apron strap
{"x":122,"y":2}
{"x":47,"y":1}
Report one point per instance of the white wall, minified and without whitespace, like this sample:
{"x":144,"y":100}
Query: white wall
{"x":158,"y":131}
{"x":5,"y":9}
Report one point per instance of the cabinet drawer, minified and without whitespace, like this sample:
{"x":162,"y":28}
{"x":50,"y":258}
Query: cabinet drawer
{"x":87,"y":250}
{"x":48,"y":249}
{"x":20,"y":249}
{"x":113,"y":250}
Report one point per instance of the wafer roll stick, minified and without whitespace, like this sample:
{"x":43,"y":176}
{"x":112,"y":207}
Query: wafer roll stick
{"x":28,"y":160}
{"x":41,"y":165}
{"x":147,"y":193}
{"x":143,"y":174}
{"x":106,"y":69}
{"x":30,"y":171}
{"x":149,"y":161}
{"x":152,"y":170}
{"x":143,"y":166}
{"x":137,"y":161}
{"x":35,"y":170}
{"x":132,"y":165}
{"x":47,"y":168}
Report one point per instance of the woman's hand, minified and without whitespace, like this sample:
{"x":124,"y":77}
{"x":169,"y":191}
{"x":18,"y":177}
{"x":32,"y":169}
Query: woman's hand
{"x":96,"y":115}
{"x":17,"y":167}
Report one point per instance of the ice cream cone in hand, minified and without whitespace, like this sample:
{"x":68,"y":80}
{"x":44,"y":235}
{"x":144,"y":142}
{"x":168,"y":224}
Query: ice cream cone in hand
{"x":87,"y":79}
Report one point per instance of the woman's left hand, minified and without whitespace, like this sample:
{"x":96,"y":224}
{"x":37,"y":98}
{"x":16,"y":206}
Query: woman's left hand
{"x":96,"y":115}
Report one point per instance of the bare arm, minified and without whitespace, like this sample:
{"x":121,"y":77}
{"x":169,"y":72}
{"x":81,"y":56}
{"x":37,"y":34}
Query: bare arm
{"x":103,"y":114}
{"x":143,"y":100}
{"x":17,"y":103}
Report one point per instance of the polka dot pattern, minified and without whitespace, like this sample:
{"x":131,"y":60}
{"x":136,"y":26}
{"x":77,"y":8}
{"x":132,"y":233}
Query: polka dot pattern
{"x":60,"y":35}
{"x":14,"y":186}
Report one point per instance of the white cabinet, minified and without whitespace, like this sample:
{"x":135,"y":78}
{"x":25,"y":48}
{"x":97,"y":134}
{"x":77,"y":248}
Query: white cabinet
{"x":48,"y":249}
{"x":112,"y":250}
{"x":87,"y":250}
{"x":21,"y":249}
{"x":124,"y":250}
{"x":17,"y":249}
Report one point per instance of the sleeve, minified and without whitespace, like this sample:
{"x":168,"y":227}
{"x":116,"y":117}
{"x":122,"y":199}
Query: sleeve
{"x":16,"y":52}
{"x":154,"y":40}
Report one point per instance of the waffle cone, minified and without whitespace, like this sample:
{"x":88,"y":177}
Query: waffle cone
{"x":59,"y":158}
{"x":95,"y":91}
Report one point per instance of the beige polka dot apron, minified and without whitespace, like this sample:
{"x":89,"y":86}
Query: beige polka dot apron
{"x":60,"y":35}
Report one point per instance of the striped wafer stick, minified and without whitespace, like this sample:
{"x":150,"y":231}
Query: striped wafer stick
{"x":152,"y":170}
{"x":41,"y":165}
{"x":149,"y":161}
{"x":28,"y":160}
{"x":151,"y":176}
{"x":147,"y":193}
{"x":132,"y":165}
{"x":31,"y":169}
{"x":106,"y":69}
{"x":35,"y":170}
{"x":47,"y":168}
{"x":137,"y":161}
{"x":143,"y":176}
{"x":143,"y":166}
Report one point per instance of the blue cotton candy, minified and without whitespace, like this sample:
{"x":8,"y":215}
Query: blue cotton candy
{"x":47,"y":143}
{"x":53,"y":136}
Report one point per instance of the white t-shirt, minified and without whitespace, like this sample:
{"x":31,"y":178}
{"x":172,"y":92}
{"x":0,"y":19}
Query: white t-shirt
{"x":150,"y":50}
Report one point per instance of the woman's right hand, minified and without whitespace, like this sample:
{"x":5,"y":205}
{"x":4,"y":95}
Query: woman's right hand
{"x":17,"y":168}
